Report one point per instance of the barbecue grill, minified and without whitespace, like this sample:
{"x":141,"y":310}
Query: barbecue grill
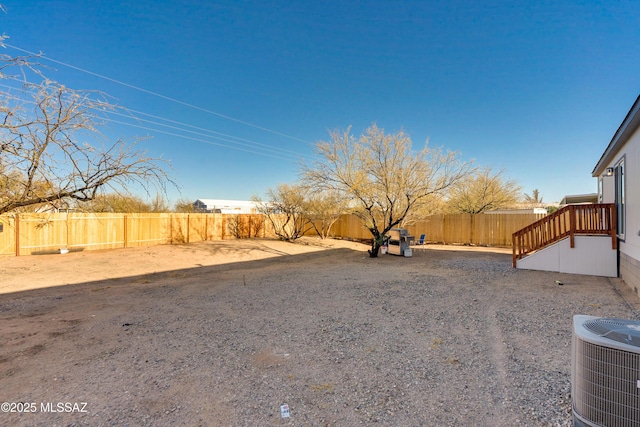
{"x":399,"y":242}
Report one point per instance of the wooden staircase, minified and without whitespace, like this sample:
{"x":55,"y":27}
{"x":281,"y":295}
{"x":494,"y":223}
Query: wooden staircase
{"x":588,"y":219}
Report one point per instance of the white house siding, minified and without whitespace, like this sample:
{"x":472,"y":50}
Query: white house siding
{"x":630,"y":272}
{"x":629,"y":244}
{"x":608,"y":189}
{"x":591,"y":255}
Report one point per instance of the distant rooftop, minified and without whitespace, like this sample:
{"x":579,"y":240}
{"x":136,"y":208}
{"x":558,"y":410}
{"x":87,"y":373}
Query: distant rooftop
{"x":225,"y":206}
{"x":578,"y":199}
{"x":518,"y":211}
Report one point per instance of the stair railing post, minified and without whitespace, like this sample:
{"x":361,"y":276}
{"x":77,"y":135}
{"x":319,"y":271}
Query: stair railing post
{"x":572,"y":225}
{"x":513,"y":246}
{"x":614,"y":227}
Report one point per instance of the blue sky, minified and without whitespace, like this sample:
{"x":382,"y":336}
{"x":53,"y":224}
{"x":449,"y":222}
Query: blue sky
{"x":536,"y":88}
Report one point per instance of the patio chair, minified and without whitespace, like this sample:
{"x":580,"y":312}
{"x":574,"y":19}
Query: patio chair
{"x":421,"y":239}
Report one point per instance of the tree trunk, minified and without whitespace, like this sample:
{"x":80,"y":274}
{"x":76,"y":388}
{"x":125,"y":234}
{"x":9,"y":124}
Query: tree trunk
{"x":375,"y":249}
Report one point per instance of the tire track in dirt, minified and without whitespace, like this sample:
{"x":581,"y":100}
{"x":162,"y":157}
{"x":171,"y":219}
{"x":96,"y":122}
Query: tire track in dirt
{"x":499,"y":360}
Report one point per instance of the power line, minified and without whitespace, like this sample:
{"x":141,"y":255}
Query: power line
{"x":111,"y":120}
{"x":291,"y":155}
{"x":198,"y":139}
{"x":140,"y":113}
{"x":168,"y":98}
{"x":195,"y":139}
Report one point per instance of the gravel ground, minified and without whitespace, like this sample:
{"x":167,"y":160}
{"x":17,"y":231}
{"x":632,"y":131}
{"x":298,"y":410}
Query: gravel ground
{"x":444,"y":338}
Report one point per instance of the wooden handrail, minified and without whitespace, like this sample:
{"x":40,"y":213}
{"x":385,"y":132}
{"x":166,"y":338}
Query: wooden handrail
{"x":568,"y":221}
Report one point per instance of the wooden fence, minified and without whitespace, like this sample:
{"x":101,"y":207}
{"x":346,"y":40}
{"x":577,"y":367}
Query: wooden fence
{"x":481,"y":229}
{"x":38,"y":233}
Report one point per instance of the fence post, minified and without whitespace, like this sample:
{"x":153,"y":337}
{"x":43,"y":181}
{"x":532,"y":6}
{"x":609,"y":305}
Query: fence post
{"x":125,"y":230}
{"x":444,"y":229}
{"x":224,"y":226}
{"x":188,"y":216}
{"x":471,"y":225}
{"x":17,"y":228}
{"x":67,"y":224}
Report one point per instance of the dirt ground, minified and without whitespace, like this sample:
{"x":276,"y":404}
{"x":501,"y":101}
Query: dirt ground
{"x":225,"y":333}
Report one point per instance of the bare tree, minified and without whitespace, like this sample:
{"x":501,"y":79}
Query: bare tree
{"x":50,"y":148}
{"x":255,"y":223}
{"x":236,"y":226}
{"x":323,"y":208}
{"x":159,"y":204}
{"x":483,"y":191}
{"x":113,"y":202}
{"x":123,"y":203}
{"x":184,"y":206}
{"x":243,"y":226}
{"x":285,"y":210}
{"x":387,"y":181}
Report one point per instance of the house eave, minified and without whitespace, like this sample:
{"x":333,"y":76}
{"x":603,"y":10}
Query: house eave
{"x":629,"y":125}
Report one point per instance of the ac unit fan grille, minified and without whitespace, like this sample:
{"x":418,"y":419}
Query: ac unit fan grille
{"x":620,"y":330}
{"x":606,"y":385}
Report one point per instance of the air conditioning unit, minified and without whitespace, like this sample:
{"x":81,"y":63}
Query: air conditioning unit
{"x":605,"y":372}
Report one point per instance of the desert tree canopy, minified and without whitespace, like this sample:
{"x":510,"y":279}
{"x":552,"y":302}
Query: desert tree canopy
{"x":385,"y":179}
{"x":483,"y":191}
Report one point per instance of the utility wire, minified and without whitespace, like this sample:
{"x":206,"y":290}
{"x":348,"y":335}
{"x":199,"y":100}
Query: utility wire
{"x":140,"y":113}
{"x":195,"y":139}
{"x":168,"y":98}
{"x":294,"y":155}
{"x":251,"y":144}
